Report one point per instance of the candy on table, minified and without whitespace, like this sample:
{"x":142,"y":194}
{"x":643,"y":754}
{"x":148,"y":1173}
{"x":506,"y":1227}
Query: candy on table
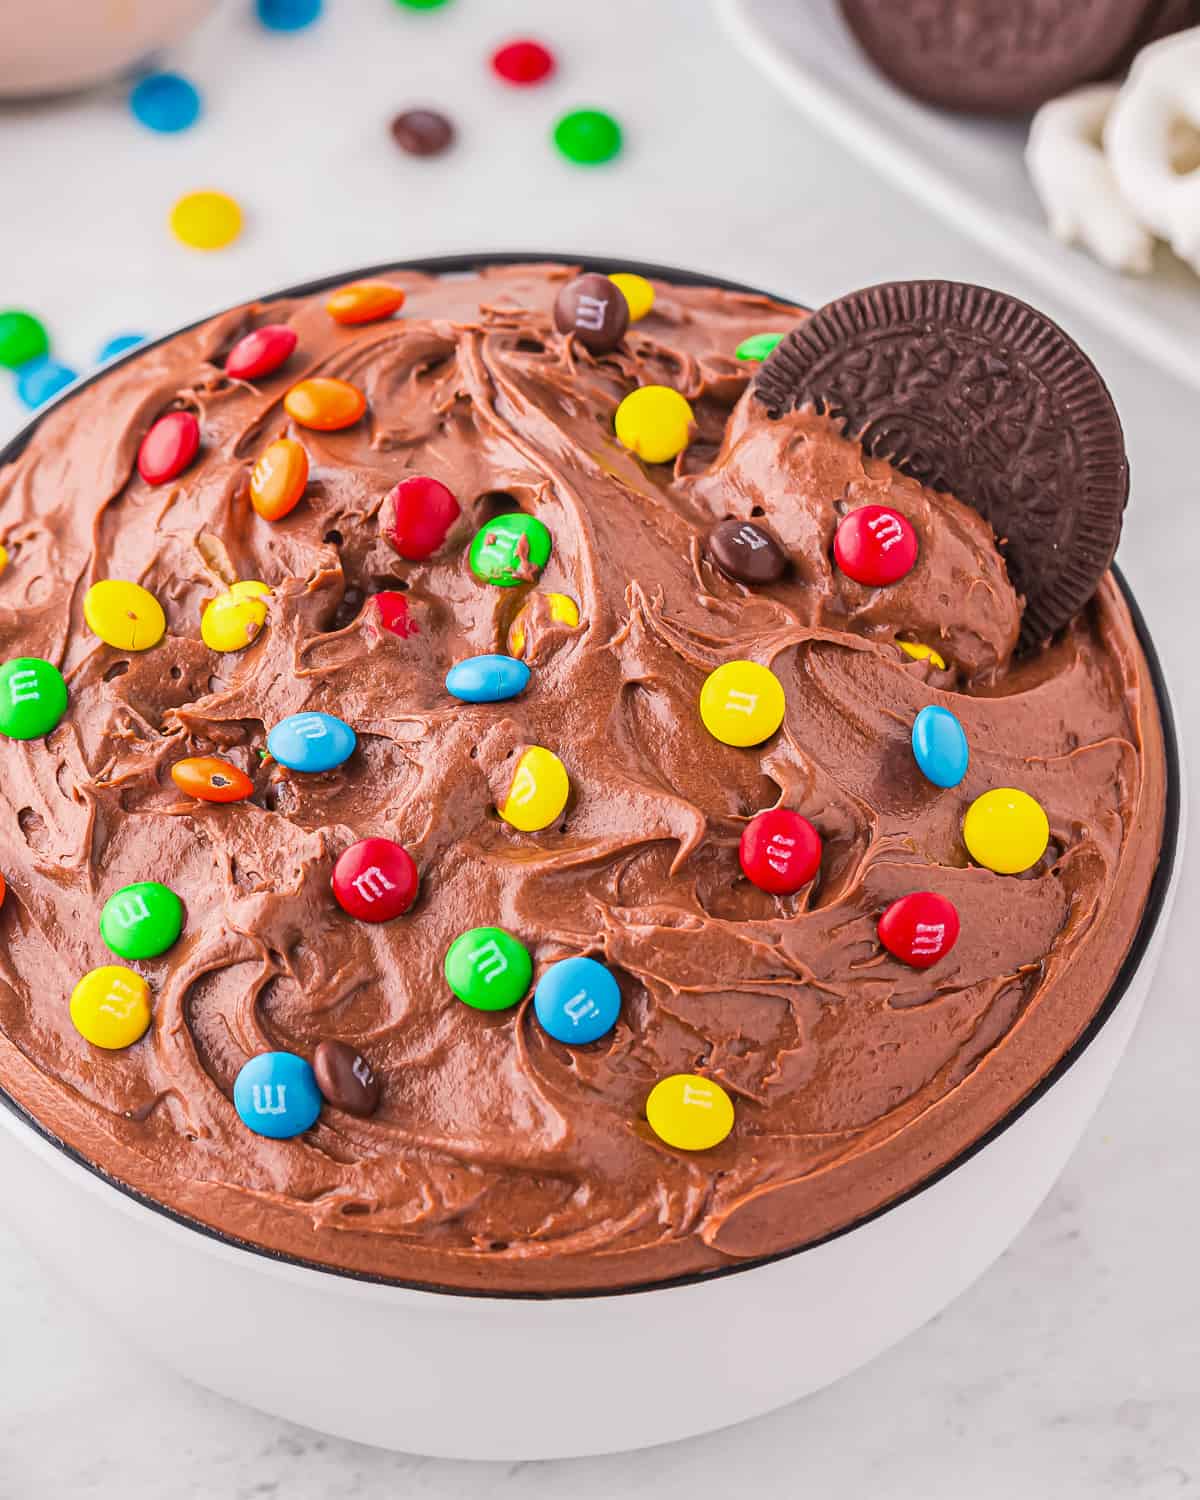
{"x":421,"y":4}
{"x":375,"y":880}
{"x":120,"y":343}
{"x":22,"y":338}
{"x":33,"y":698}
{"x":1006,"y":830}
{"x":523,"y":62}
{"x":211,"y":779}
{"x":416,"y":516}
{"x":141,"y":920}
{"x":324,"y":403}
{"x":588,"y":137}
{"x":488,"y":968}
{"x":563,"y":611}
{"x":510,"y":549}
{"x":110,"y":1007}
{"x":594,"y":310}
{"x":747,"y":552}
{"x":288,"y":15}
{"x":168,"y":447}
{"x":637,"y":291}
{"x":918,"y":652}
{"x":422,"y":132}
{"x":919,"y":929}
{"x":276,"y":1095}
{"x":346,"y":1079}
{"x":278,"y":479}
{"x":689,"y":1112}
{"x":311,"y":742}
{"x":939,"y":745}
{"x":538,"y":791}
{"x":260,"y":352}
{"x":487,"y":679}
{"x":233,"y":619}
{"x":394,"y":613}
{"x":758,"y":346}
{"x":206,"y":220}
{"x":742,"y":703}
{"x":577,"y":1000}
{"x":364,"y":302}
{"x":875,"y":545}
{"x":165,"y":102}
{"x":779,"y":851}
{"x":655,"y":422}
{"x":124,"y":614}
{"x":41,"y":380}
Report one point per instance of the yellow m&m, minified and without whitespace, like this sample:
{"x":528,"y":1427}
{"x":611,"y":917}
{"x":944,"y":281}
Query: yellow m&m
{"x":742,"y":703}
{"x":563,"y":611}
{"x":206,"y":220}
{"x":636,"y":290}
{"x":538,"y":791}
{"x":922,"y":653}
{"x":110,"y":1007}
{"x":1006,"y":830}
{"x":124,"y":614}
{"x":233,"y":619}
{"x":655,"y":422}
{"x":689,"y":1112}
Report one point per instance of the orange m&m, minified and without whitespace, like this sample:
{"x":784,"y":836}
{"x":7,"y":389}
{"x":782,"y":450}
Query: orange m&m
{"x":278,"y":479}
{"x":364,"y":302}
{"x":211,"y":779}
{"x":324,"y":403}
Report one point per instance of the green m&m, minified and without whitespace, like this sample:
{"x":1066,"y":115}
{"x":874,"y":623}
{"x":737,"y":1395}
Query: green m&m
{"x":758,"y":345}
{"x":588,"y":137}
{"x":142,"y":920}
{"x":510,"y":550}
{"x":33,"y":697}
{"x":488,"y":968}
{"x":22,"y":338}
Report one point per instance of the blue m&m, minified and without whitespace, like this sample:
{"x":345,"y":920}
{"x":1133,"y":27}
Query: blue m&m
{"x":276,"y":1095}
{"x":165,"y":102}
{"x":577,"y":1000}
{"x":311,"y":742}
{"x":41,"y":380}
{"x":487,"y":679}
{"x":939,"y":743}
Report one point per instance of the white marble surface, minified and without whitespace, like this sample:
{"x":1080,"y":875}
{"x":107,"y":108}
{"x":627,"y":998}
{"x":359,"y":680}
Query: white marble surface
{"x":1072,"y":1369}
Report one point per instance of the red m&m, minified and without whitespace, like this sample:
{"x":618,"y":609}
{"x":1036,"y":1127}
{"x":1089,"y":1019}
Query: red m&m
{"x":920,"y":928}
{"x":417,"y":515}
{"x":260,"y":352}
{"x":168,"y":447}
{"x":375,"y":880}
{"x":780,"y":851}
{"x":523,"y":62}
{"x":394,"y":613}
{"x":875,"y":545}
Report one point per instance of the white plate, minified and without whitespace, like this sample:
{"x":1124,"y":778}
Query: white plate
{"x":969,"y":171}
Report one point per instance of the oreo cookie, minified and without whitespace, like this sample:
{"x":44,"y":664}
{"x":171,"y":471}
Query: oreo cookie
{"x":997,"y":56}
{"x":972,"y":392}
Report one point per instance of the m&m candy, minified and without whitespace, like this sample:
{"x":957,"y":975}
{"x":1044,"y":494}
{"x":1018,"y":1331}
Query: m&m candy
{"x":276,"y":1095}
{"x":124,"y":614}
{"x":346,"y":1078}
{"x":278,"y":479}
{"x":120,"y":343}
{"x":417,"y":515}
{"x":939,"y":744}
{"x":588,"y":137}
{"x":311,"y":742}
{"x":22,"y":338}
{"x":875,"y":545}
{"x":920,"y":928}
{"x":260,"y":352}
{"x":422,"y":132}
{"x":206,"y":220}
{"x":487,"y":679}
{"x":168,"y":447}
{"x":747,"y":552}
{"x":758,"y":346}
{"x":779,"y":851}
{"x":325,"y":404}
{"x":689,"y":1112}
{"x":560,"y":607}
{"x":577,"y":1001}
{"x":142,"y":920}
{"x":288,"y":15}
{"x":594,"y":310}
{"x":1006,"y":830}
{"x":375,"y":880}
{"x":165,"y":102}
{"x":509,"y":550}
{"x":488,"y":968}
{"x":655,"y":422}
{"x":33,"y":697}
{"x":637,"y":291}
{"x":42,"y":380}
{"x":523,"y":62}
{"x":364,"y":302}
{"x":233,"y":619}
{"x":394,"y":613}
{"x":211,"y":779}
{"x":538,"y":791}
{"x":110,"y":1007}
{"x":742,"y":703}
{"x":922,"y":653}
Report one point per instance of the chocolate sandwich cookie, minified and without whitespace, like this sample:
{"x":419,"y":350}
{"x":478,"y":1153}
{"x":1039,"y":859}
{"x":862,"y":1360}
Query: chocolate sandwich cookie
{"x":997,"y":56}
{"x":978,"y":395}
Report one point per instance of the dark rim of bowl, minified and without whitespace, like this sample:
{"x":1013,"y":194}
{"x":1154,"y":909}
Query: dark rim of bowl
{"x":1156,"y":897}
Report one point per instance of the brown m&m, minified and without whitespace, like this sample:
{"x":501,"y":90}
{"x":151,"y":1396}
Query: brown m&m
{"x":346,"y":1079}
{"x":422,"y":132}
{"x":746,"y":552}
{"x":594,"y":310}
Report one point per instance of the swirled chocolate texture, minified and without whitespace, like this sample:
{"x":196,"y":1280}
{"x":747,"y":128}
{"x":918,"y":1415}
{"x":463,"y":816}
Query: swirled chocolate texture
{"x":499,"y":1158}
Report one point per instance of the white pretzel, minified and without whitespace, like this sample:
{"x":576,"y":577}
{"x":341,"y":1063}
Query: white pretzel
{"x":1076,"y":184}
{"x":1153,"y":141}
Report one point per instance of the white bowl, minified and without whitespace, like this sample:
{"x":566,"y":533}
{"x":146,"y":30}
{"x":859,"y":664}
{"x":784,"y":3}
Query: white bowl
{"x":460,"y":1375}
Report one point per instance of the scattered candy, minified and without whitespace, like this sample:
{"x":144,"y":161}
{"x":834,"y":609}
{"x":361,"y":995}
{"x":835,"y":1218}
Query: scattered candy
{"x":417,"y":515}
{"x":563,"y":611}
{"x":233,"y":619}
{"x":780,"y":851}
{"x":588,"y":137}
{"x":260,"y":352}
{"x":875,"y":545}
{"x":165,"y":102}
{"x":41,"y":380}
{"x":110,"y":1007}
{"x":278,"y":479}
{"x":324,"y":403}
{"x":168,"y":447}
{"x":487,"y":968}
{"x":422,"y":132}
{"x":211,"y":779}
{"x":747,"y":552}
{"x":421,"y":4}
{"x":288,"y":15}
{"x":375,"y":880}
{"x":522,"y":62}
{"x":1006,"y":830}
{"x":637,"y":291}
{"x":511,"y":549}
{"x":276,"y":1095}
{"x":758,"y":346}
{"x":120,"y":343}
{"x":742,"y":703}
{"x":206,"y":220}
{"x":346,"y":1079}
{"x":577,"y":1001}
{"x":364,"y":302}
{"x":919,"y":929}
{"x":124,"y":614}
{"x":922,"y":653}
{"x":538,"y":791}
{"x":939,"y":743}
{"x":33,"y":698}
{"x":311,"y":742}
{"x":594,"y":310}
{"x":22,"y":339}
{"x":655,"y":422}
{"x":487,"y":679}
{"x":142,"y":920}
{"x":689,"y":1112}
{"x":394,"y":613}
